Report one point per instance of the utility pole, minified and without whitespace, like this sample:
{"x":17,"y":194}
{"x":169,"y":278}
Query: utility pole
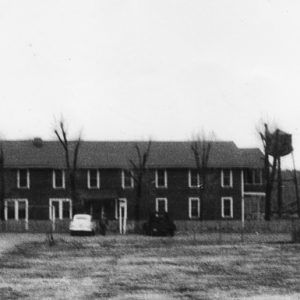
{"x":296,"y":185}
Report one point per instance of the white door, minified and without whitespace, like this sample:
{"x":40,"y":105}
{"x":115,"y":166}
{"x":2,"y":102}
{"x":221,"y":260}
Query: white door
{"x":122,"y":215}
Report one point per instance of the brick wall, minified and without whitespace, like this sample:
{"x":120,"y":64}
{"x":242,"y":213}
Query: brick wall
{"x":177,"y":192}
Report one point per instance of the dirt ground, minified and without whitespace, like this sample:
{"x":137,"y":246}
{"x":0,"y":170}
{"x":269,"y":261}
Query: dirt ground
{"x":8,"y":241}
{"x":136,"y":267}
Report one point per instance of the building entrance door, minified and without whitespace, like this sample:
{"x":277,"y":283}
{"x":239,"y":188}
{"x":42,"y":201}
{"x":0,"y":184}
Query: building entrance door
{"x":122,"y":215}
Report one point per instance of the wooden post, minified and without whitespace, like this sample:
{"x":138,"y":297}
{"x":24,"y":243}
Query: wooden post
{"x":53,"y":217}
{"x":220,"y":233}
{"x":279,"y":188}
{"x":296,"y":185}
{"x":26,"y":215}
{"x":242,"y":206}
{"x":267,"y":175}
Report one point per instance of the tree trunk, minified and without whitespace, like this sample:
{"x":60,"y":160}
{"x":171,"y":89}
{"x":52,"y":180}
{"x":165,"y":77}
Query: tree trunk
{"x":202,"y":193}
{"x":138,"y":200}
{"x":296,"y":185}
{"x":268,"y":188}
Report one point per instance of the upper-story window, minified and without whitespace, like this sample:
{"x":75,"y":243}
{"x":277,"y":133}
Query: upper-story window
{"x":253,"y":176}
{"x":58,"y":179}
{"x":93,"y":179}
{"x":226,"y":178}
{"x":23,"y":179}
{"x":161,"y":180}
{"x":127,"y":179}
{"x":194,"y":178}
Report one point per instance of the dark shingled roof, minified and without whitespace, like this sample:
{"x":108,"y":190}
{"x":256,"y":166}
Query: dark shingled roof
{"x":107,"y":154}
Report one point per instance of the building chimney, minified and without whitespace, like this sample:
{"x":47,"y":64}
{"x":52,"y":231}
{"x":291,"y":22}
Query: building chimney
{"x":37,"y":142}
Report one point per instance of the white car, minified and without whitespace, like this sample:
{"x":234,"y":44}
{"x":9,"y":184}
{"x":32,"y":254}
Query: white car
{"x":82,"y":223}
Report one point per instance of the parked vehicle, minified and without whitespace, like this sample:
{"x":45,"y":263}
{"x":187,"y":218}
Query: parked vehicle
{"x":159,"y":225}
{"x":82,"y":223}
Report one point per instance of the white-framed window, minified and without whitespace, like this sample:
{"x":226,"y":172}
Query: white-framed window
{"x":127,"y":179}
{"x":227,"y":207}
{"x":61,"y":207}
{"x":23,"y":179}
{"x":161,"y":205}
{"x":16,"y":209}
{"x":194,"y":178}
{"x":58,"y":179}
{"x":161,"y":179}
{"x":226,"y":178}
{"x":93,"y":179}
{"x":194,"y":207}
{"x":253,"y":176}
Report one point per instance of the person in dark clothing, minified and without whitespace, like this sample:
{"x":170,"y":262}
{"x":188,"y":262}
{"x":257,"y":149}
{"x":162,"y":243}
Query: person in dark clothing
{"x":103,"y":222}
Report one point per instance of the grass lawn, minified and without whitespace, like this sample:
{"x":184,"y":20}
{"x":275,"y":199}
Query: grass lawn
{"x":136,"y":267}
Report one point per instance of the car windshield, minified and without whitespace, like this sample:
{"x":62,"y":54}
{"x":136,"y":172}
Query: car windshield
{"x":82,"y":217}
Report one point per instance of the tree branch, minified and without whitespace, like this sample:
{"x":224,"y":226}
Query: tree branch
{"x":60,"y":139}
{"x":138,"y":153}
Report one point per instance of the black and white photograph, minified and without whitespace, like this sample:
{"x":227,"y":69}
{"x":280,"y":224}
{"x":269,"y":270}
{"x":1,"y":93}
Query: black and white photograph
{"x":150,"y":149}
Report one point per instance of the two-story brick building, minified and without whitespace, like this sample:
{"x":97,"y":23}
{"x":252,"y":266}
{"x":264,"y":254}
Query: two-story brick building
{"x":36,"y":186}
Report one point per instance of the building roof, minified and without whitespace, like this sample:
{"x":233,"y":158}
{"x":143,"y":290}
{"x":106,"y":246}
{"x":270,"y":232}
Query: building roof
{"x":116,"y":154}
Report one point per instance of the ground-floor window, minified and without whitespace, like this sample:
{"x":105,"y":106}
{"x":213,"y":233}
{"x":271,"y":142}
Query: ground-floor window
{"x":161,"y":205}
{"x":227,"y":207}
{"x":60,"y":208}
{"x":16,"y":209}
{"x":254,"y":206}
{"x":194,"y":208}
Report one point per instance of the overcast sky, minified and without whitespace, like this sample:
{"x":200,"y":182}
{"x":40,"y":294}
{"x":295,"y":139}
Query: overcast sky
{"x":132,"y":70}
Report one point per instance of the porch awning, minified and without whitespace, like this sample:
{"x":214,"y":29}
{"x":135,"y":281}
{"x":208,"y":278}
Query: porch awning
{"x":99,"y":195}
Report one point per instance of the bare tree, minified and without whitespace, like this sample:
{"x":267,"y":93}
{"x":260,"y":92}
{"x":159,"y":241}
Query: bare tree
{"x":71,"y":150}
{"x":269,"y":169}
{"x":138,"y":169}
{"x":201,"y":148}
